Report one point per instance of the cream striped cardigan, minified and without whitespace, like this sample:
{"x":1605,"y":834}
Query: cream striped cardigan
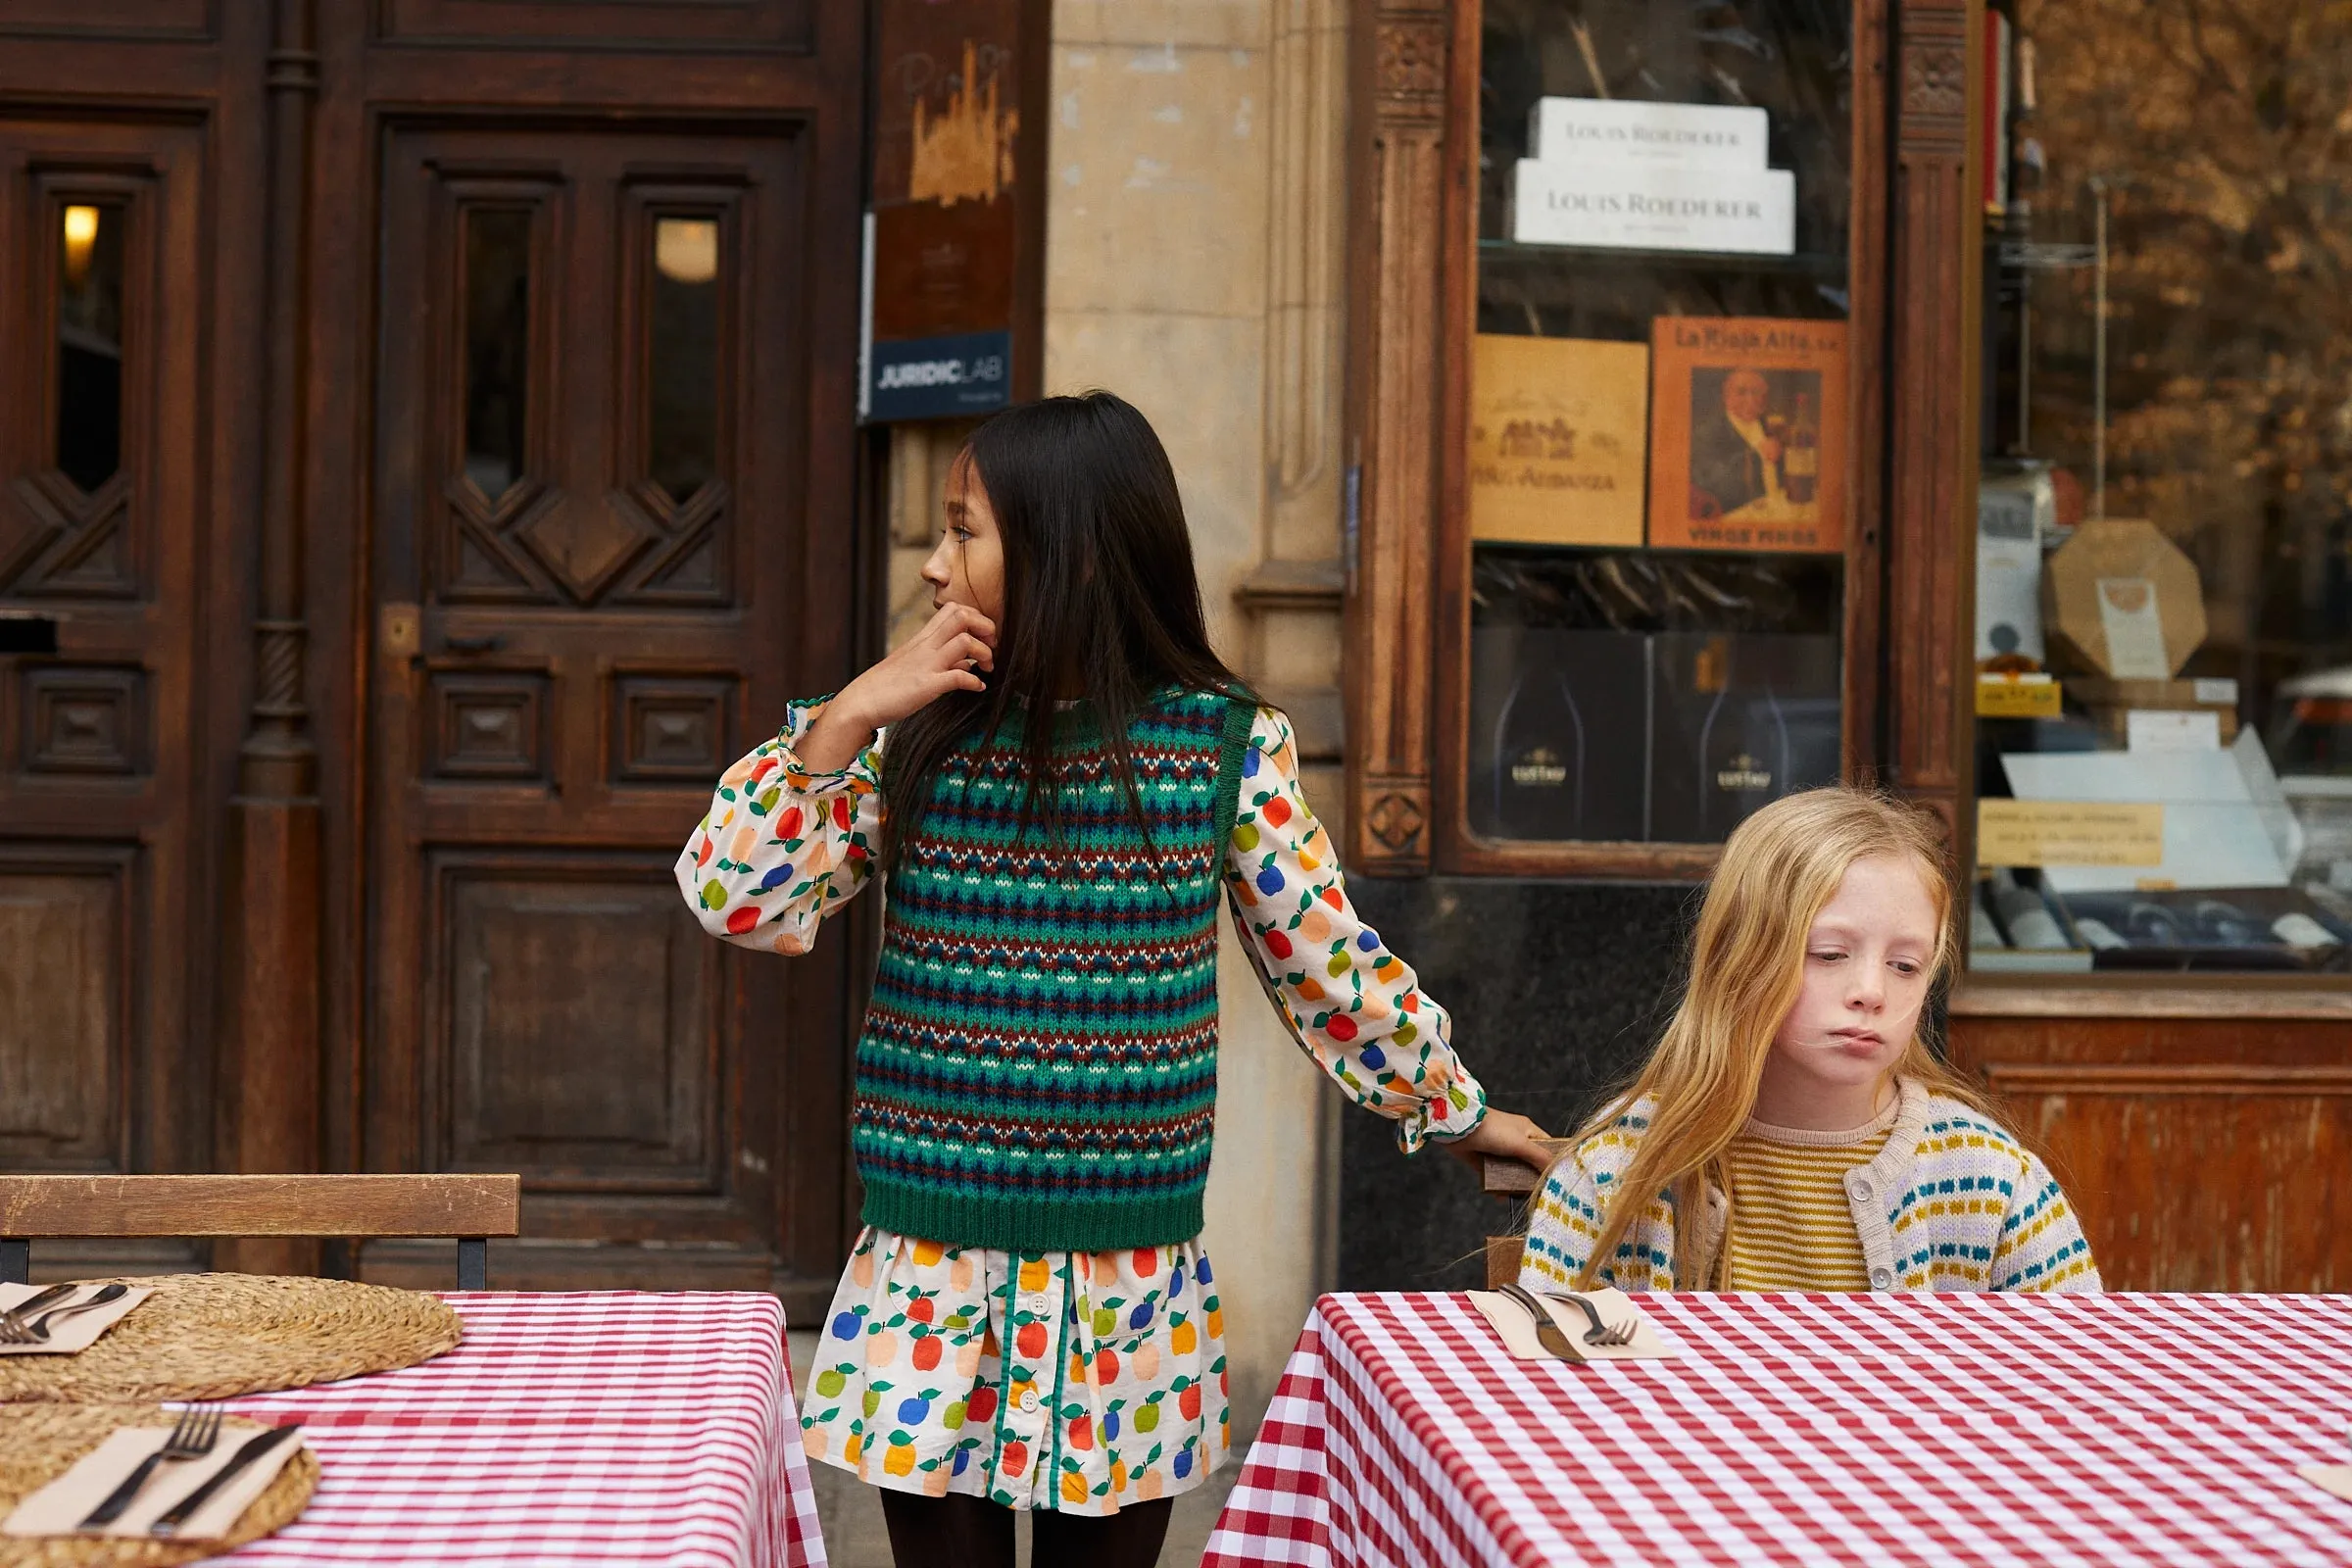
{"x":1951,"y":1202}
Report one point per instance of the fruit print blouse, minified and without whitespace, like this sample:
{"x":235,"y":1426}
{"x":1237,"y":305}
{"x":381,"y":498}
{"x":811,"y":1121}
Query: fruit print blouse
{"x":782,"y":848}
{"x":1069,"y":1381}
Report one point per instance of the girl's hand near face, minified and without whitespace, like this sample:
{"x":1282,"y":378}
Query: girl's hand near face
{"x":946,"y":655}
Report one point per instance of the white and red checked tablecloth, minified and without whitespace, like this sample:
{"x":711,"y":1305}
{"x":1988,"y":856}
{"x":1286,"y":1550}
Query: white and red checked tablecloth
{"x":613,"y":1428}
{"x":1811,"y":1429}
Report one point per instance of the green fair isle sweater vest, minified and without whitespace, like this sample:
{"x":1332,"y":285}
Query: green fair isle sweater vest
{"x":1039,"y":1067}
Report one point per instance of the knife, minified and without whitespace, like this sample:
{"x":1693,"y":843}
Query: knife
{"x":1548,"y":1332}
{"x":254,"y":1447}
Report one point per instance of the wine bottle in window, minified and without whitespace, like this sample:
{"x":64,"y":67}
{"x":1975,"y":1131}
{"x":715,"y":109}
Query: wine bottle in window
{"x":1801,"y":461}
{"x":1538,"y":753}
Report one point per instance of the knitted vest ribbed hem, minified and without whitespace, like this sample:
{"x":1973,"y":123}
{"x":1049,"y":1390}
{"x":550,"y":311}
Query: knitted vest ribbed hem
{"x":1031,"y":1227}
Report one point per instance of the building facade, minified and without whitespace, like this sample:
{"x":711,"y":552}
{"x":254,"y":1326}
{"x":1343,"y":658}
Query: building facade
{"x":429,"y":454}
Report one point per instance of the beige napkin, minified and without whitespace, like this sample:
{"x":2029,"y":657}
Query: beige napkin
{"x":59,"y":1507}
{"x":2336,"y":1478}
{"x":1510,"y":1320}
{"x":79,"y":1332}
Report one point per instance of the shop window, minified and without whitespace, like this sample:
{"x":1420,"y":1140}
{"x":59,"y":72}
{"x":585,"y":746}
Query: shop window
{"x":497,"y":346}
{"x":682,"y":355}
{"x":1660,"y":424}
{"x":88,"y":436}
{"x":2164,"y":531}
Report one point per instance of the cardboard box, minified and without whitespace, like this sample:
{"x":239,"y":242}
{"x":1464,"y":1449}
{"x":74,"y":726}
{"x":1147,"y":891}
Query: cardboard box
{"x":2120,"y":600}
{"x":1738,"y":720}
{"x":2110,"y":703}
{"x":1558,"y":733}
{"x":1560,"y":440}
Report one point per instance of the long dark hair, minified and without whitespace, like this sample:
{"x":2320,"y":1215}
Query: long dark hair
{"x":1099,"y":583}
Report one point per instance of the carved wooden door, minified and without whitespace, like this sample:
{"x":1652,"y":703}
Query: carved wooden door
{"x":100,"y":509}
{"x":591,"y":572}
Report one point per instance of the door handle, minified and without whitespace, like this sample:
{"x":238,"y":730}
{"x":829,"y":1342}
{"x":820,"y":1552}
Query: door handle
{"x":487,"y":643}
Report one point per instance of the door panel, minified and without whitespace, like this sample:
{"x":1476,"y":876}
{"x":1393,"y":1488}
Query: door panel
{"x":582,"y":397}
{"x":100,"y":1068}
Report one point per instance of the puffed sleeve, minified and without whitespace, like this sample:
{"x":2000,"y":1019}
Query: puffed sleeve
{"x":1354,"y":1005}
{"x":781,"y":848}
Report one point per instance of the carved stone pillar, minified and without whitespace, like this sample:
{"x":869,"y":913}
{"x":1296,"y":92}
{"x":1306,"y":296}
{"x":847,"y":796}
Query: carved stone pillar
{"x":1390,"y":581}
{"x":1294,"y":597}
{"x":1934,"y":228}
{"x":270,"y":1025}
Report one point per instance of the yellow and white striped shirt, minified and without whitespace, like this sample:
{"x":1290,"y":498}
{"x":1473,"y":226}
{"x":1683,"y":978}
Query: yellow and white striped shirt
{"x":1792,"y":1224}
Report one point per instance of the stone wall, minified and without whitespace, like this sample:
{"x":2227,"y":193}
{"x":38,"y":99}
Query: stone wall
{"x":1193,"y":233}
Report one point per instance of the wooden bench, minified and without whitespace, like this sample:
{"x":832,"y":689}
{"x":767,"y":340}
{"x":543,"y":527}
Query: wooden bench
{"x":1509,"y":1179}
{"x":469,"y":1209}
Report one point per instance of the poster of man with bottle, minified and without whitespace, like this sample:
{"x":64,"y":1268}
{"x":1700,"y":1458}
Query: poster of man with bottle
{"x":1748,"y":450}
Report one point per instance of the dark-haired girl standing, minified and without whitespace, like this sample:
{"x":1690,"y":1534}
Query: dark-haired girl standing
{"x":1058,"y":779}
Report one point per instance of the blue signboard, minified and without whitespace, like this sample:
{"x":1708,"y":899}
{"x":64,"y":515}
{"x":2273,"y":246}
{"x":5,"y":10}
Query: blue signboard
{"x":939,"y":377}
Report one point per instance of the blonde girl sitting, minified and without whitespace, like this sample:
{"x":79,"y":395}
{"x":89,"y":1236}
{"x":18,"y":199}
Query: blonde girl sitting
{"x":1793,"y":1131}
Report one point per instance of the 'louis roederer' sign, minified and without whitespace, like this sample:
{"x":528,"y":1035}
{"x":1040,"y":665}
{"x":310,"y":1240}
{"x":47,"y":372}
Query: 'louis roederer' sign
{"x":1660,"y":206}
{"x":1570,"y":131}
{"x":1631,"y":176}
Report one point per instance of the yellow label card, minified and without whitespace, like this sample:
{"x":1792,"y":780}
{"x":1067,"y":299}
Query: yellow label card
{"x":2069,"y":833}
{"x":2017,"y":696}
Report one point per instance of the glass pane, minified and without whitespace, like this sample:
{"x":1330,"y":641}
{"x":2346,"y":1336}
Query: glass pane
{"x":89,"y":343}
{"x":682,"y":404}
{"x":1658,"y":416}
{"x":498,"y":345}
{"x":2164,"y":557}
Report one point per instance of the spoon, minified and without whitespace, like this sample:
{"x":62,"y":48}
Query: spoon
{"x":39,"y":1326}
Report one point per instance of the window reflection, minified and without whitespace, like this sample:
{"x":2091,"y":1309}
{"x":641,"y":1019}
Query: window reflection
{"x":682,"y":355}
{"x":89,"y":343}
{"x":2165,"y":523}
{"x":497,"y":342}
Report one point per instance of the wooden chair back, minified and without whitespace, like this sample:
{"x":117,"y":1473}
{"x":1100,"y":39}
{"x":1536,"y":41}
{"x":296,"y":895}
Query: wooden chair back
{"x":470,"y":1208}
{"x":1509,"y":1180}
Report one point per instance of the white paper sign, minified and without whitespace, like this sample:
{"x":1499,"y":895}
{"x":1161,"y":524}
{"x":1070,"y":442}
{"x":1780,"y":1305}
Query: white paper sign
{"x":1574,"y":130}
{"x":2223,"y":692}
{"x":1632,"y":206}
{"x":2163,"y":729}
{"x":2225,"y":823}
{"x":2135,"y":629}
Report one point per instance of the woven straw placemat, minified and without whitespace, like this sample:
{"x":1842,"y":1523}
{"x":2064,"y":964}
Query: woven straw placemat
{"x":217,"y":1335}
{"x":39,"y":1443}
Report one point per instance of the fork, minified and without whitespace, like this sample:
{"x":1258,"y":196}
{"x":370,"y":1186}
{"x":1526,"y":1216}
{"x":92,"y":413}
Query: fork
{"x":1601,"y":1333}
{"x":14,"y":1318}
{"x":20,"y":1328}
{"x":192,"y":1438}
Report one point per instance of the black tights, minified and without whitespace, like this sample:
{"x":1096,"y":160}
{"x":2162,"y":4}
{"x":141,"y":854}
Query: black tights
{"x":960,"y":1532}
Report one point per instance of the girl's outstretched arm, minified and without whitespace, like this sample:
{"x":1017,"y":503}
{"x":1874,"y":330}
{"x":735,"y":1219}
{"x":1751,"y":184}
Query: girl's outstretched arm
{"x":1356,"y":1008}
{"x":781,"y":847}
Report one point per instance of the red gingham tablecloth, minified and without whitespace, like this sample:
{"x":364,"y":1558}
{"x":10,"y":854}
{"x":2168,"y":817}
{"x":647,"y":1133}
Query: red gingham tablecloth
{"x":567,"y":1429}
{"x":2005,"y":1429}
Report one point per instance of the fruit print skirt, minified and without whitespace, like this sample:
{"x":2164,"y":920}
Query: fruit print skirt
{"x":1072,"y":1381}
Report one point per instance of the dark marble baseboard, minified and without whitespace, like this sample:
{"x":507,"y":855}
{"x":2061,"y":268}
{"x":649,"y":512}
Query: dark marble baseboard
{"x":1557,"y":989}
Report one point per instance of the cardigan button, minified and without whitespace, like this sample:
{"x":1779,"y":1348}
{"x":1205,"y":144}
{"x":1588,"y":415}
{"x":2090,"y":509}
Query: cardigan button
{"x":1882,"y":1279}
{"x":1861,"y":1186}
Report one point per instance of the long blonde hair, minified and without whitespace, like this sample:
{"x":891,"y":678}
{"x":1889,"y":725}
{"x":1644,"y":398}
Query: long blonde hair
{"x":1779,"y":868}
